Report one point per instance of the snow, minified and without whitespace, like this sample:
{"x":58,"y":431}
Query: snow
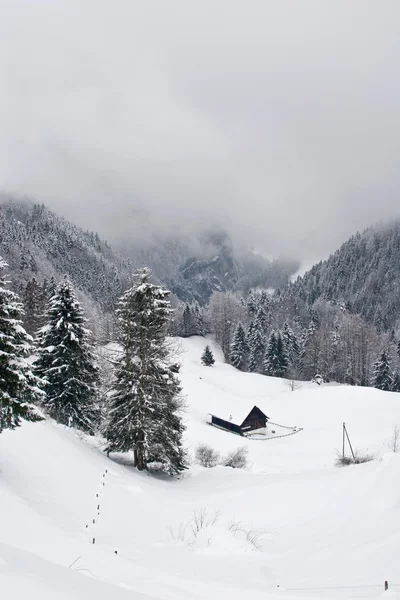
{"x":315,"y":526}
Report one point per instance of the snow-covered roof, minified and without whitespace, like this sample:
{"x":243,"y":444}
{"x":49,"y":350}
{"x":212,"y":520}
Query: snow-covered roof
{"x":237,"y":416}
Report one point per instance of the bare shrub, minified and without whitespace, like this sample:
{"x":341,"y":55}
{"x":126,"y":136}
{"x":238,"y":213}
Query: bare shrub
{"x":254,"y":537}
{"x":234,"y":526}
{"x":206,"y":456}
{"x":394,"y":443}
{"x":237,"y":459}
{"x":199,"y":521}
{"x":178,"y":535}
{"x":359,"y":457}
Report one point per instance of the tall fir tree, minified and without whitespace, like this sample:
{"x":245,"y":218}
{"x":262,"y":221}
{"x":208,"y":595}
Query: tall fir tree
{"x":292,"y":348}
{"x":207,"y":358}
{"x":382,"y":377}
{"x":19,"y":391}
{"x":34,"y":300}
{"x":239,"y":349}
{"x":396,"y":382}
{"x":188,"y":322}
{"x":66,"y":363}
{"x":256,"y":343}
{"x":276,"y":361}
{"x":144,"y":406}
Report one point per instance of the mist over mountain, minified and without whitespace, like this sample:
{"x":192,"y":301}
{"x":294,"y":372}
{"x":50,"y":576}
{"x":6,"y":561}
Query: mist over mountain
{"x":193,"y":268}
{"x":36,"y":242}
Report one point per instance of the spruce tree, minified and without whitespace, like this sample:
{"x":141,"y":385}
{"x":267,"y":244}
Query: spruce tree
{"x":276,"y":361}
{"x":143,"y":413}
{"x":382,"y":378}
{"x":239,"y":349}
{"x":396,"y":382}
{"x":292,"y":348}
{"x":257,"y":348}
{"x":19,"y":391}
{"x":188,"y":321}
{"x":34,"y":306}
{"x":66,"y":363}
{"x":207,"y":358}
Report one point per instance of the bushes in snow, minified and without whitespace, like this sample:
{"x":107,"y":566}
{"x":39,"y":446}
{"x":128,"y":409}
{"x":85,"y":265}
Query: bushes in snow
{"x":207,"y":457}
{"x":237,"y":459}
{"x":359,"y":457}
{"x":200,"y":528}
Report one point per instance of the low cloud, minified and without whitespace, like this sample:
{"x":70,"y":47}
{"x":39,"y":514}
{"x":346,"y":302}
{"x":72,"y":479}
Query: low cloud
{"x":278,"y":121}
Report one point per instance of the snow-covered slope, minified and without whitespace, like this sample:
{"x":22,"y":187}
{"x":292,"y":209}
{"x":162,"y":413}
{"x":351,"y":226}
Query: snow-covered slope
{"x":315,"y":526}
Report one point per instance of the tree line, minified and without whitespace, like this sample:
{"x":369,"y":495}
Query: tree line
{"x":281,"y":335}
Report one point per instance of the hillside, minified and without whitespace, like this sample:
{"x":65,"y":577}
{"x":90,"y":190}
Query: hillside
{"x":36,"y":242}
{"x":319,"y":526}
{"x":363,"y":274}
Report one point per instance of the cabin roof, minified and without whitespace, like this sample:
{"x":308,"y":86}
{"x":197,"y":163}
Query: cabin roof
{"x":258,"y":411}
{"x":238,"y":416}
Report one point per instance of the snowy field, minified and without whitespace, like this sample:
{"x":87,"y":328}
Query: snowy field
{"x":290,"y":519}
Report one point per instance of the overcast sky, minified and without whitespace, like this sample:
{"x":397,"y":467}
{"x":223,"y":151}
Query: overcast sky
{"x":278,"y":120}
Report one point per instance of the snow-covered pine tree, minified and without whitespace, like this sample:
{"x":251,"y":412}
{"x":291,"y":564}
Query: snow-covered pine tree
{"x":66,"y":363}
{"x":382,"y":377}
{"x":239,"y":349}
{"x":198,"y":320}
{"x":34,"y":301}
{"x":396,"y":382}
{"x":143,"y":413}
{"x":19,"y":391}
{"x":256,"y":348}
{"x":251,"y":303}
{"x":207,"y":358}
{"x":188,"y":322}
{"x":276,"y":361}
{"x":310,"y":358}
{"x":292,"y":348}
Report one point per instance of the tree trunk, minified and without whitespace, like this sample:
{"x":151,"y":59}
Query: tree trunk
{"x":140,"y":458}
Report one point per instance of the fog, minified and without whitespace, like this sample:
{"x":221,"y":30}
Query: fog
{"x":278,"y":121}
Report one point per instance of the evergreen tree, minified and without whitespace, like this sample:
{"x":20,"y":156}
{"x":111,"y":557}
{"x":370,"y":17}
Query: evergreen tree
{"x":144,"y":405}
{"x":207,"y":358}
{"x":239,"y":349}
{"x":292,"y":348}
{"x":310,"y":359}
{"x":66,"y":363}
{"x":382,"y":378}
{"x":256,"y":347}
{"x":198,"y":321}
{"x":276,"y":361}
{"x":34,"y":306}
{"x":19,"y":390}
{"x":251,"y":303}
{"x":188,"y":322}
{"x":396,"y":382}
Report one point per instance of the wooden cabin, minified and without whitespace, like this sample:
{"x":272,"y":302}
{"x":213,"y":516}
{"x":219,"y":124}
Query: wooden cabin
{"x":256,"y":419}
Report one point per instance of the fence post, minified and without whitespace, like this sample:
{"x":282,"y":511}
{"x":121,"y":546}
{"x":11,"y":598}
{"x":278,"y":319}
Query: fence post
{"x":344,"y":425}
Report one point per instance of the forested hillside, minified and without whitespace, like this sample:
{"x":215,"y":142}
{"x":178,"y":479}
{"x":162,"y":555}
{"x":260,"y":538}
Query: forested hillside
{"x":38,"y":245}
{"x":363,"y":275}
